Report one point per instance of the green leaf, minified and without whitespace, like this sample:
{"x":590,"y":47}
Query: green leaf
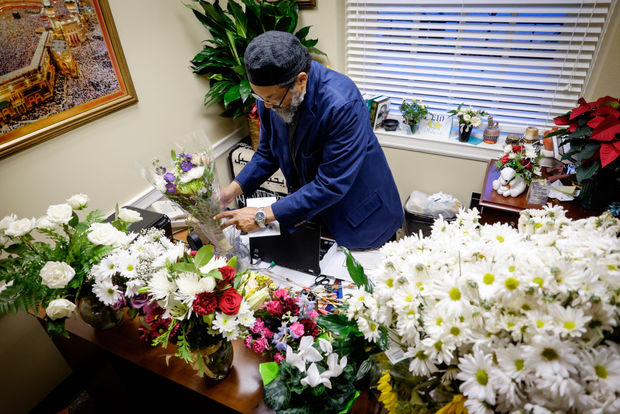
{"x":363,"y":369}
{"x":241,"y":21}
{"x":204,"y":254}
{"x":337,"y":323}
{"x":276,"y":394}
{"x":588,"y":150}
{"x":232,"y":94}
{"x":183,"y":267}
{"x":586,"y":171}
{"x":268,"y":371}
{"x":245,"y":90}
{"x":302,"y":33}
{"x":357,"y":271}
{"x":232,"y":262}
{"x":74,"y":220}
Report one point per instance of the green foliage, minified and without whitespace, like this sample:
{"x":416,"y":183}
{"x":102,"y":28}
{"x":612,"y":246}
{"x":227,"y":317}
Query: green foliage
{"x":413,"y":112}
{"x":357,"y":271}
{"x":232,"y":29}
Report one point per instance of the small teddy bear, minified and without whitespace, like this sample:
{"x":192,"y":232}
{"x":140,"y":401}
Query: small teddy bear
{"x":508,"y":184}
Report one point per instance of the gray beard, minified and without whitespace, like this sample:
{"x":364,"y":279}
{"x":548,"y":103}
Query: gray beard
{"x":287,"y":114}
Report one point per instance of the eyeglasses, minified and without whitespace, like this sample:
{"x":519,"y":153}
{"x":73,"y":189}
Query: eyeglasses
{"x":278,"y":106}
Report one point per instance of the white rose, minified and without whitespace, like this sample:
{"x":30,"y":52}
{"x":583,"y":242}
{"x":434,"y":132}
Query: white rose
{"x":507,"y":149}
{"x":103,"y":233}
{"x":192,"y":174}
{"x":512,"y":156}
{"x":475,"y":121}
{"x":128,"y":215}
{"x":60,"y":213}
{"x":56,"y":275}
{"x":20,"y":227}
{"x":4,"y":223}
{"x":78,"y":201}
{"x":59,"y":308}
{"x":45,"y":223}
{"x":467,"y":117}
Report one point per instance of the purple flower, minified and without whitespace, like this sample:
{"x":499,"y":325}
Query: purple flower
{"x":186,"y":166}
{"x":119,"y":303}
{"x":171,"y":188}
{"x":169,"y":177}
{"x":138,"y":301}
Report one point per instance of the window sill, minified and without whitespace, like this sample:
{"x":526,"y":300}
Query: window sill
{"x":450,"y":147}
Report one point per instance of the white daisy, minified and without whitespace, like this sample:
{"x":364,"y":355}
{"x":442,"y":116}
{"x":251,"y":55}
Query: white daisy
{"x":107,"y":292}
{"x":477,"y":374}
{"x":603,"y":368}
{"x":370,"y":329}
{"x":570,"y":321}
{"x":550,"y":356}
{"x":420,"y":364}
{"x":511,"y":361}
{"x":127,"y":265}
{"x":105,"y":269}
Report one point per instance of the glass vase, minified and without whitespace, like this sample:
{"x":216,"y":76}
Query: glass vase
{"x":214,"y":360}
{"x":98,"y":315}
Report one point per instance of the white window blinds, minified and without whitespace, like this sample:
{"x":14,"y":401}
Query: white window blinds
{"x":523,"y":61}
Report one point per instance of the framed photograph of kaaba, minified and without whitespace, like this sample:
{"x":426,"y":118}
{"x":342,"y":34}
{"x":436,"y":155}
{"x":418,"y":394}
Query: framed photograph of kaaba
{"x":61,"y":66}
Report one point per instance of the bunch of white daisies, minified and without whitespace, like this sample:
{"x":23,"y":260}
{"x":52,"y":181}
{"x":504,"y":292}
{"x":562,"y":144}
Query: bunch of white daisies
{"x":513,"y":318}
{"x":121,"y":274}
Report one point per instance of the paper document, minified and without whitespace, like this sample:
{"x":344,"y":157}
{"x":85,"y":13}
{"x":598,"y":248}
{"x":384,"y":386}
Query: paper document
{"x":334,"y":263}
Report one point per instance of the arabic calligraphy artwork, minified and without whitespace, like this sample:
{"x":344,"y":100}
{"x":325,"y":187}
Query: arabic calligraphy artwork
{"x":61,"y":66}
{"x":274,"y":186}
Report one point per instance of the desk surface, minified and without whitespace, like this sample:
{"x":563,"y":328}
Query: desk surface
{"x":491,"y":199}
{"x":241,"y":390}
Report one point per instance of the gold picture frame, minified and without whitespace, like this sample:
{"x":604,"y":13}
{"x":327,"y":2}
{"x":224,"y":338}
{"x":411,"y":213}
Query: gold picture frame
{"x":72,"y":71}
{"x":306,"y":3}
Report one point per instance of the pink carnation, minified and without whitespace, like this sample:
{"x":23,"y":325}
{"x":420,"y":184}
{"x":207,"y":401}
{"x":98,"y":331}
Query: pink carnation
{"x":297,"y":330}
{"x":313,"y":314}
{"x":267,"y":333}
{"x":258,"y":346}
{"x":275,"y":308}
{"x":278,"y":357}
{"x":280,"y":293}
{"x":248,"y":341}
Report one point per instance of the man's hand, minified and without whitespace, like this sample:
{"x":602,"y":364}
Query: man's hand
{"x":244,"y":218}
{"x":229,"y":192}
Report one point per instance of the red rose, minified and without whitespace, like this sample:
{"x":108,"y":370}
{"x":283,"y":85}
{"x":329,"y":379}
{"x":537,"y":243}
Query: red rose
{"x":516,"y":148}
{"x":228,"y":273}
{"x":505,"y":158}
{"x":205,"y":303}
{"x":230,"y":301}
{"x":529,"y":166}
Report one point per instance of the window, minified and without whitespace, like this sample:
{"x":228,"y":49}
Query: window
{"x":525,"y":62}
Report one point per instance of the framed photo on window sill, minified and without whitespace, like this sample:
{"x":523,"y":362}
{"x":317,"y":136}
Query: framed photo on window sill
{"x":61,"y":66}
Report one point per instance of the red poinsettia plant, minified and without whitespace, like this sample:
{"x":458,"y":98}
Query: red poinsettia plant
{"x":593,"y":133}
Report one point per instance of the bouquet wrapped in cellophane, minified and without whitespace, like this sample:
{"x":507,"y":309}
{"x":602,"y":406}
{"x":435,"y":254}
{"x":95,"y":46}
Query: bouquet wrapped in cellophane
{"x":190,"y":181}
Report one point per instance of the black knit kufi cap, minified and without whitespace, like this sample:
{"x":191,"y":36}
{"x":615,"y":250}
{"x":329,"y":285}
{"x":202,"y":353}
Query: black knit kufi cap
{"x":274,"y":58}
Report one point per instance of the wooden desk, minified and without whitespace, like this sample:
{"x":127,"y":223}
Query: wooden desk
{"x":123,"y":374}
{"x":506,"y":209}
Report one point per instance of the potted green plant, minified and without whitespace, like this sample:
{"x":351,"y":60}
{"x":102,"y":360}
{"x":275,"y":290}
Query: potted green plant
{"x":232,"y":29}
{"x":413,"y":112}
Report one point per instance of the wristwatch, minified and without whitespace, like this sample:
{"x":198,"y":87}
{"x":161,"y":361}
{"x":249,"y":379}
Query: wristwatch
{"x":259,"y":217}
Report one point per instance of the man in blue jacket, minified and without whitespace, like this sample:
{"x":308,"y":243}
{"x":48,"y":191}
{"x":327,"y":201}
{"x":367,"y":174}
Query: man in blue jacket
{"x":314,"y":127}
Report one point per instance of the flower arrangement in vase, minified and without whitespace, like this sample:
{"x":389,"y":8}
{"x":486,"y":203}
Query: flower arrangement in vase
{"x":518,"y":167}
{"x":509,"y":318}
{"x":592,"y":130}
{"x":469,"y":118}
{"x":413,"y":112}
{"x":198,"y":310}
{"x":51,"y":274}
